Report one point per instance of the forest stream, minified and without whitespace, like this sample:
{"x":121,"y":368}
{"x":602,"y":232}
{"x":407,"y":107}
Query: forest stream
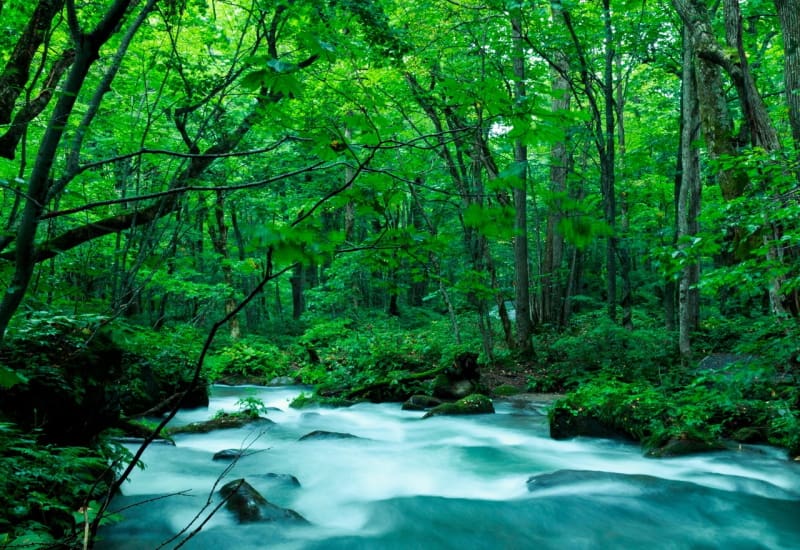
{"x":488,"y":481}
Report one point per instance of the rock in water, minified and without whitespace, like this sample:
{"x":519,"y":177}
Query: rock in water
{"x":472,"y":404}
{"x":282,"y":479}
{"x":232,"y":454}
{"x":248,"y":506}
{"x":421,"y":403}
{"x":322,"y":434}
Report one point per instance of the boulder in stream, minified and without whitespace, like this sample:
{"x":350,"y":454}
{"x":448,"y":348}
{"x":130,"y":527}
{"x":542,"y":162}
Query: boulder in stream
{"x":232,"y":454}
{"x":684,"y":446}
{"x":322,"y":434}
{"x":421,"y":403}
{"x":287,"y":480}
{"x":248,"y":506}
{"x":223,"y":421}
{"x":591,"y":478}
{"x":472,"y":404}
{"x":566,"y":423}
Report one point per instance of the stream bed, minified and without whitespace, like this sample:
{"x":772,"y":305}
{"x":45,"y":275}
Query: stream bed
{"x":449,"y":482}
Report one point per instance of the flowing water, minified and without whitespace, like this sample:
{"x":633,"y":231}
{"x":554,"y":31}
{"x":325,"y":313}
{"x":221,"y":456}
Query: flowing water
{"x":451,"y":482}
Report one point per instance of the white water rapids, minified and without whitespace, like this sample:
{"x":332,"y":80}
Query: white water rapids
{"x":452,"y":482}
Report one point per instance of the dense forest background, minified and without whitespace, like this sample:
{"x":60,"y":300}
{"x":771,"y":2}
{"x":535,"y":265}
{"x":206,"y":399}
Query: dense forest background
{"x":590,"y":196}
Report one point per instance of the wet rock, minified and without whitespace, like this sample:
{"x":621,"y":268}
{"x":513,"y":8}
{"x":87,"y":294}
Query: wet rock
{"x":322,"y":434}
{"x":472,"y":404}
{"x":286,"y":480}
{"x":248,"y":506}
{"x":224,"y":421}
{"x":460,"y":379}
{"x":565,"y":424}
{"x":232,"y":454}
{"x":421,"y":403}
{"x":681,"y":446}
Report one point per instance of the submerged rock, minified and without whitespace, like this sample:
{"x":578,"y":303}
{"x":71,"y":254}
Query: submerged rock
{"x":421,"y":403}
{"x":248,"y":506}
{"x":563,"y":478}
{"x":281,"y":479}
{"x":472,"y":404}
{"x":322,"y":434}
{"x":232,"y":454}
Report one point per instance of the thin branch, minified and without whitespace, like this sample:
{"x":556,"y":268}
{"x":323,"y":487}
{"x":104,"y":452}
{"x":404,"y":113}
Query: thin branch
{"x":186,"y":189}
{"x":203,"y":156}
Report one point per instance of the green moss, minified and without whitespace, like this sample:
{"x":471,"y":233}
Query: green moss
{"x":471,"y":404}
{"x":221,"y":421}
{"x":313,"y":399}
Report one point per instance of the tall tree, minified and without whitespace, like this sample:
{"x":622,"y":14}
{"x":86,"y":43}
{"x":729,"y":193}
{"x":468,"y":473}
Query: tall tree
{"x":789,"y":16}
{"x":522,"y":299}
{"x":688,"y":201}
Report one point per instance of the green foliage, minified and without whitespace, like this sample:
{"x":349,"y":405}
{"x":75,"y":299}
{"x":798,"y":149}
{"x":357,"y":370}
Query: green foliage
{"x":595,"y":342}
{"x":10,"y":378}
{"x":378,"y":348}
{"x":45,"y":488}
{"x":746,"y":402}
{"x":248,"y":359}
{"x":252,"y":406}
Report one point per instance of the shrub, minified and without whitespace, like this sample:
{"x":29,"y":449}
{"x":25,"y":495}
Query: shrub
{"x":595,"y":342}
{"x":249,"y":359}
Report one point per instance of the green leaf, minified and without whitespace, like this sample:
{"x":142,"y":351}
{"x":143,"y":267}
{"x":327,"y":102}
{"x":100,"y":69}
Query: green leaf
{"x":10,"y":378}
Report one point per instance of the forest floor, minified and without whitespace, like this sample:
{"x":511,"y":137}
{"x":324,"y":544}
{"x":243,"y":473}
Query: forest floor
{"x":493,"y":378}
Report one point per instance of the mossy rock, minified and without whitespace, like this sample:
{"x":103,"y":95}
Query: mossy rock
{"x":222,"y":421}
{"x":566,"y":423}
{"x":421,"y":403}
{"x":684,"y":446}
{"x":472,"y":404}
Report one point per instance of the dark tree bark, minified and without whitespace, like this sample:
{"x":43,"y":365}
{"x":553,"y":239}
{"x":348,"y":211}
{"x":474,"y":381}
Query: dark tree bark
{"x":297,"y":280}
{"x":12,"y":137}
{"x":715,"y":120}
{"x":522,"y":299}
{"x":789,"y":15}
{"x":688,"y":207}
{"x":18,"y":68}
{"x":218,"y":231}
{"x":553,"y":287}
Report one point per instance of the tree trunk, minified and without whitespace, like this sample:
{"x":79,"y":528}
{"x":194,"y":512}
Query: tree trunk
{"x":522,"y":299}
{"x":219,"y":240}
{"x":18,"y":67}
{"x":757,"y":125}
{"x":553,"y":288}
{"x":688,"y":207}
{"x":789,"y":16}
{"x":297,"y":280}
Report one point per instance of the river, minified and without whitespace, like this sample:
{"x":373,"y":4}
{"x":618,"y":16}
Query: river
{"x":451,"y":482}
